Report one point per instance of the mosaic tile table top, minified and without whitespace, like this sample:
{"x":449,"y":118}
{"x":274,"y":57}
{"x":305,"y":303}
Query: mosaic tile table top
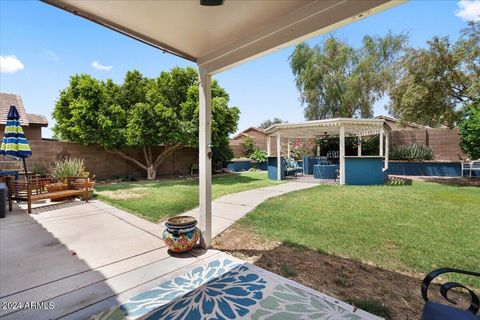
{"x":226,"y":288}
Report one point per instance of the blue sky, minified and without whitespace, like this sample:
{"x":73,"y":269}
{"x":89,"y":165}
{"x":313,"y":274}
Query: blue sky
{"x":50,"y":45}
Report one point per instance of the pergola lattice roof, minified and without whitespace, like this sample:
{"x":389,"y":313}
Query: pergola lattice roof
{"x":331,"y":127}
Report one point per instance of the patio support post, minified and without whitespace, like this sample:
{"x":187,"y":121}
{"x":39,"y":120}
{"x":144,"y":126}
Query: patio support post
{"x":269,"y":146}
{"x":279,"y":159}
{"x":205,"y":158}
{"x":359,"y":146}
{"x":288,"y":148}
{"x":381,"y":143}
{"x":342,"y":154}
{"x":387,"y":148}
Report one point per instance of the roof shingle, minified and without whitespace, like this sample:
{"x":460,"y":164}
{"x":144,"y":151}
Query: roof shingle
{"x":7,"y":100}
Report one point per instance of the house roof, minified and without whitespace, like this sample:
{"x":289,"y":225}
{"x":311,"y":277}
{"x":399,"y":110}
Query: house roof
{"x":37,"y":119}
{"x":244,"y":132}
{"x":7,"y":100}
{"x":220,"y":37}
{"x":395,"y":120}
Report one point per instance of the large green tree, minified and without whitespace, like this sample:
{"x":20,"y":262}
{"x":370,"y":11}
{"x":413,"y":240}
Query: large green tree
{"x":435,"y":83}
{"x":143,"y":113}
{"x":470,"y":130}
{"x":338,"y":80}
{"x":270,"y":122}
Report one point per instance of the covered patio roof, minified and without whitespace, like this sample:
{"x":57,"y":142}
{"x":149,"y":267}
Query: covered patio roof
{"x":220,"y":37}
{"x":331,"y":127}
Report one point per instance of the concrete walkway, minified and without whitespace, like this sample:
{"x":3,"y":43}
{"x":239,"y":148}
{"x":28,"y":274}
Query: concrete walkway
{"x":228,"y":209}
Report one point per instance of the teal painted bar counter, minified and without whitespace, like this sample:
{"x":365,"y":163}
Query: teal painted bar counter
{"x":367,"y":170}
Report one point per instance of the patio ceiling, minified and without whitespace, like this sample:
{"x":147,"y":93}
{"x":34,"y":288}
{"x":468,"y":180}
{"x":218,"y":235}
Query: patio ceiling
{"x":331,"y":127}
{"x":220,"y":37}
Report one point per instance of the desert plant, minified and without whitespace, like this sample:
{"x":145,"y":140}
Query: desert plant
{"x":414,"y":152}
{"x":69,"y":167}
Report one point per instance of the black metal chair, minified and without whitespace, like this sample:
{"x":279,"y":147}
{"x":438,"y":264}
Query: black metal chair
{"x":437,"y":311}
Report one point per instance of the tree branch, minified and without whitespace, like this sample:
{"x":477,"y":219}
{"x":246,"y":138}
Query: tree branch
{"x":147,"y":158}
{"x":131,"y":159}
{"x":162,"y":156}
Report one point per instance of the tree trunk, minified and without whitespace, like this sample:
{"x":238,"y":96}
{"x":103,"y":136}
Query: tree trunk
{"x":151,"y":172}
{"x":151,"y":166}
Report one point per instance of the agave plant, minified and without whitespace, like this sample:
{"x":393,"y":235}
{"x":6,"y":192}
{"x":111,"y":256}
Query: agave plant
{"x":414,"y":152}
{"x":69,"y":167}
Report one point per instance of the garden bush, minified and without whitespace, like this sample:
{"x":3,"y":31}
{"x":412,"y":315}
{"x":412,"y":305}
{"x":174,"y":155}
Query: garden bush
{"x":414,"y":152}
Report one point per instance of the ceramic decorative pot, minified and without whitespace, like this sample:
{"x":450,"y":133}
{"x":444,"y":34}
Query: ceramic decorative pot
{"x":181,"y":234}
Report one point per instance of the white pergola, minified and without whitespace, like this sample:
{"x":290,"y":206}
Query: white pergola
{"x":341,"y":127}
{"x":220,"y":37}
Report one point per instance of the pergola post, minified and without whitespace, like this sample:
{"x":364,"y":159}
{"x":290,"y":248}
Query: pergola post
{"x":269,"y":146}
{"x":381,"y":143}
{"x":205,"y":158}
{"x":387,"y":148}
{"x":288,"y":148}
{"x":342,"y":154}
{"x":279,"y":159}
{"x":359,"y":146}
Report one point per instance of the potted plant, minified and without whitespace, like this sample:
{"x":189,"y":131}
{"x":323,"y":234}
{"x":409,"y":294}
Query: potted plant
{"x":60,"y":170}
{"x":181,"y":234}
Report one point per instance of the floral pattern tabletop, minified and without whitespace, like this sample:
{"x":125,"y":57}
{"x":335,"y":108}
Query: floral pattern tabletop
{"x":225,"y":288}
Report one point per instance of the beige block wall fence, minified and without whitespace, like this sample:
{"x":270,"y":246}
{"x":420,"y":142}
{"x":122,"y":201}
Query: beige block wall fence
{"x":445,"y":143}
{"x":106,"y":165}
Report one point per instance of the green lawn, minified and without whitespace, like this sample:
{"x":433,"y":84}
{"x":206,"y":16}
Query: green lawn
{"x":155,"y":200}
{"x":410,"y":229}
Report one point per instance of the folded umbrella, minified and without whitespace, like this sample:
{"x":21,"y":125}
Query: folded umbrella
{"x":14,"y":143}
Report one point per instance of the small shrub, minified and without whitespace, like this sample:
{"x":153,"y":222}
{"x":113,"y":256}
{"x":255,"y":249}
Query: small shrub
{"x":287,"y":271}
{"x":69,"y":167}
{"x":414,"y":152}
{"x":259,"y":155}
{"x":39,"y":170}
{"x":248,"y":146}
{"x":373,"y":306}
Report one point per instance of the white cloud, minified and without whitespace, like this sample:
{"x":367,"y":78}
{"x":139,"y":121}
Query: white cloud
{"x":52,"y":55}
{"x":10,"y":64}
{"x":468,"y":10}
{"x":97,"y":65}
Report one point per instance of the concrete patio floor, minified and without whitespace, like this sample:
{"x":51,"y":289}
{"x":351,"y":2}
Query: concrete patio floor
{"x":82,"y":259}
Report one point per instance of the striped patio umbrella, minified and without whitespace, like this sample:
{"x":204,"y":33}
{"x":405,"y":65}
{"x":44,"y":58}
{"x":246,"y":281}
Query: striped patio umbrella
{"x":14,"y":143}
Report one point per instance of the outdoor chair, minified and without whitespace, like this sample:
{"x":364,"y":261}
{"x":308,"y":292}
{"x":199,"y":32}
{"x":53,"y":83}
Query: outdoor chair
{"x":471,"y":167}
{"x":292,"y":168}
{"x":437,"y":311}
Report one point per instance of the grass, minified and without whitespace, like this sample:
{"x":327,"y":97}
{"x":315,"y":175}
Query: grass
{"x":373,"y":306}
{"x":410,"y":229}
{"x":155,"y":200}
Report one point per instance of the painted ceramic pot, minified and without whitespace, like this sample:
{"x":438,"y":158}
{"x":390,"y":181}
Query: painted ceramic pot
{"x":181,"y":234}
